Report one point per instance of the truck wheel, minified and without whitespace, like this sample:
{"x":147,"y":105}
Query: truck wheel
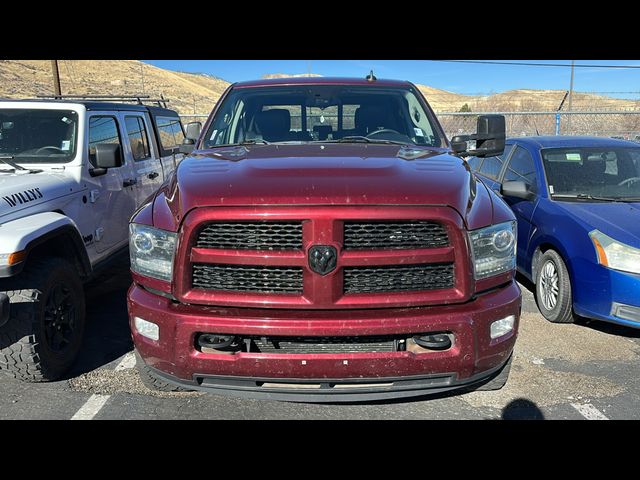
{"x":153,"y":382}
{"x":499,"y":379}
{"x":553,"y":288}
{"x":42,"y":338}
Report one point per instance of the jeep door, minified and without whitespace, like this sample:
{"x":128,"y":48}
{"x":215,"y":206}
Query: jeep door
{"x":145,"y":154}
{"x":112,"y":193}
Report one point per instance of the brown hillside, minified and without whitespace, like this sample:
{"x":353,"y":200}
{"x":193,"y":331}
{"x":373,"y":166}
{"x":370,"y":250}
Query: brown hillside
{"x":185,"y":91}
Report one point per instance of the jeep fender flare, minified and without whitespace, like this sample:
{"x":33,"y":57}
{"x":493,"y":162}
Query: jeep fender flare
{"x":27,"y":233}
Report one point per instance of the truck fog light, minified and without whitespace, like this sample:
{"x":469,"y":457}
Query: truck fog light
{"x":147,"y":329}
{"x":502,"y":327}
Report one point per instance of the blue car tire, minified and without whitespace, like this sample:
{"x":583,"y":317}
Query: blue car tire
{"x":553,"y":288}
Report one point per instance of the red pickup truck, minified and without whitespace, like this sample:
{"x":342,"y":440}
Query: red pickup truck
{"x":325,"y":242}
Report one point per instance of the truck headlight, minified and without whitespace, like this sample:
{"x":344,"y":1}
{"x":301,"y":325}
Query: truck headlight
{"x":613,"y":254}
{"x":493,"y":249}
{"x":151,"y":251}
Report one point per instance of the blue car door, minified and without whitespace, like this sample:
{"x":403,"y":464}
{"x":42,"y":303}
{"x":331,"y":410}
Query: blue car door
{"x":521,"y":167}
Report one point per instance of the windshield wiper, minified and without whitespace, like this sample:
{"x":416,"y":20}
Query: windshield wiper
{"x":587,"y":196}
{"x":9,"y":161}
{"x":361,"y":139}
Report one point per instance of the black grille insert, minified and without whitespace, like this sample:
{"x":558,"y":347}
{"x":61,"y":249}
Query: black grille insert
{"x":433,"y":276}
{"x":310,"y":345}
{"x":240,"y":278}
{"x":394,"y":235}
{"x":251,"y":235}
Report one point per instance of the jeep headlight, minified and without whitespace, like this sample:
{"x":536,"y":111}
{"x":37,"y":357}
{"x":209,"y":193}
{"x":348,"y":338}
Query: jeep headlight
{"x":151,"y":251}
{"x":493,"y":249}
{"x":614,"y":254}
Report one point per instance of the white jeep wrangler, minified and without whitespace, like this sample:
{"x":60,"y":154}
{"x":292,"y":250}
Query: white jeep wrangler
{"x":71,"y":175}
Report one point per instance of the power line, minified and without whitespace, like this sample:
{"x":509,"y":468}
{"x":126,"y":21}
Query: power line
{"x":528,"y":64}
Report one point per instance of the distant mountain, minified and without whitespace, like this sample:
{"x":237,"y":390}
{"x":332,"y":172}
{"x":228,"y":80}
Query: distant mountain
{"x":190,"y":93}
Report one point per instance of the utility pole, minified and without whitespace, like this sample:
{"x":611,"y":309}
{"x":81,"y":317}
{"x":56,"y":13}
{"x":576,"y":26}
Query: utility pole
{"x":142,"y":76}
{"x":56,"y":78}
{"x":570,"y":97}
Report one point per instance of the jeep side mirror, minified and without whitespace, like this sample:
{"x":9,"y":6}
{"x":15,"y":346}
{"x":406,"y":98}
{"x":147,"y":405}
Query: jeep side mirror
{"x":517,"y":189}
{"x":187,"y":146}
{"x":490,"y":137}
{"x":108,"y":155}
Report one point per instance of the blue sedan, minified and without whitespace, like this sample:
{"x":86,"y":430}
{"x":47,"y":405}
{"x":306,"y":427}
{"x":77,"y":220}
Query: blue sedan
{"x":577,"y":201}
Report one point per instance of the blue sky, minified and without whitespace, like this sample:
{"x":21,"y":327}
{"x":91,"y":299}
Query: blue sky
{"x":455,"y":77}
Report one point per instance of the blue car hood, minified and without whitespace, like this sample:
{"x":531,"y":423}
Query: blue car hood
{"x":620,"y":221}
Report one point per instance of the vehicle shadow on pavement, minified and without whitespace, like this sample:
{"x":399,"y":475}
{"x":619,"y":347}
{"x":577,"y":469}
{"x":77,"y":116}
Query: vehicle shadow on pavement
{"x":522,"y":409}
{"x":107,"y":335}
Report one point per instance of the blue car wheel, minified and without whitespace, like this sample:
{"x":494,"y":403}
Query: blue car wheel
{"x":553,"y":288}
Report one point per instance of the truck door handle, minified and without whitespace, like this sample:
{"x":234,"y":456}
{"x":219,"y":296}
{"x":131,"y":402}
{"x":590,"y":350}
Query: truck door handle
{"x":153,"y":175}
{"x":130,"y":182}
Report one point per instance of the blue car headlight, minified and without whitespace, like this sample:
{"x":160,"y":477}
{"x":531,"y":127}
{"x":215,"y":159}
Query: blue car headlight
{"x":614,"y":254}
{"x":493,"y":249}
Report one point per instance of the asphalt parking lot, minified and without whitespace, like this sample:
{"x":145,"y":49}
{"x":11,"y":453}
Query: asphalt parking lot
{"x":579,"y":371}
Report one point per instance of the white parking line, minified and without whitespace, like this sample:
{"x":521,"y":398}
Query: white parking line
{"x":128,"y":361}
{"x":91,"y":408}
{"x":95,"y":403}
{"x":589,"y":412}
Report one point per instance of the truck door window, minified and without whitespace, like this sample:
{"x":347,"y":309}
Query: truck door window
{"x":138,"y":138}
{"x":102,"y":129}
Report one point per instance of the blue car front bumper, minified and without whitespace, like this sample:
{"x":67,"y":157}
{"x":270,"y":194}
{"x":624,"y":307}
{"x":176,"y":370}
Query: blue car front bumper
{"x":606,"y":294}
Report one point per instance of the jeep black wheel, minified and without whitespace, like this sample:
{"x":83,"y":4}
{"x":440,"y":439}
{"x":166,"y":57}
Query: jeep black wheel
{"x":44,"y":333}
{"x":553,"y":288}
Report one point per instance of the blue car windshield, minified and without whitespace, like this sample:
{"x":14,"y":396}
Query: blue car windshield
{"x":600,"y":173}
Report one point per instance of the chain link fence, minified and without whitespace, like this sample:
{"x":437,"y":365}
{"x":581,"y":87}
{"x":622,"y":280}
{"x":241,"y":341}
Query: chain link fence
{"x":620,"y":124}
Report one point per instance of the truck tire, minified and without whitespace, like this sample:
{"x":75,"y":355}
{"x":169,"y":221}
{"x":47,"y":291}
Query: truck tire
{"x":44,"y":333}
{"x":499,"y":379}
{"x":553,"y":288}
{"x":153,"y":382}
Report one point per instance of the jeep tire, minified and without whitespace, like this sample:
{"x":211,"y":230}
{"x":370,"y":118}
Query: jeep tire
{"x":44,"y":333}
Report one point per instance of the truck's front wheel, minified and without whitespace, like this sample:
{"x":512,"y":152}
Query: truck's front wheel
{"x":42,"y":338}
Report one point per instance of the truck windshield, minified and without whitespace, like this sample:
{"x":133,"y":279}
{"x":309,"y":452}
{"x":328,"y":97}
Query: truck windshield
{"x":321,"y":113}
{"x":38,"y":135}
{"x":593,"y":173}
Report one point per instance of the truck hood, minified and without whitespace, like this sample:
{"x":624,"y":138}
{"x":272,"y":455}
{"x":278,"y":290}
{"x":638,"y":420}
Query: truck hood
{"x":316,"y":174}
{"x":618,"y":220}
{"x":24,"y":190}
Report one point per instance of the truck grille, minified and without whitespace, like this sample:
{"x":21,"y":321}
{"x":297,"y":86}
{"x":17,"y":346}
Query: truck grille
{"x":394,"y":235}
{"x":251,"y":236}
{"x":324,"y":344}
{"x":238,"y":278}
{"x":388,"y":279}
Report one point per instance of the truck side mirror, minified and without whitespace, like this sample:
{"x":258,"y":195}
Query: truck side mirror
{"x":517,"y":189}
{"x":490,"y":137}
{"x":193,"y":130}
{"x":193,"y":133}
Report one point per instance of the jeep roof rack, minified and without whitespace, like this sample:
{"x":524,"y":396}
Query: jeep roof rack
{"x":139,"y":99}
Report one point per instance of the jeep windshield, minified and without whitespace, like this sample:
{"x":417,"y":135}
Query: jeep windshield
{"x":38,"y":135}
{"x":593,"y":174}
{"x":323,"y":113}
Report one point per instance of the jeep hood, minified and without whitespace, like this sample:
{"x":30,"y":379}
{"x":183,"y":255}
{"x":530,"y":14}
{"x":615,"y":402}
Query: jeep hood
{"x":318,"y":174}
{"x":24,"y":190}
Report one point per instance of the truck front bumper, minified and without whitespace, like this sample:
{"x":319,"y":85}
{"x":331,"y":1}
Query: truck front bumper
{"x":326,"y":377}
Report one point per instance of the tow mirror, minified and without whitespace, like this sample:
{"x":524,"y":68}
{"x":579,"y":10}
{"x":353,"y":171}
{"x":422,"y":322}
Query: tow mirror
{"x":490,"y":137}
{"x":193,"y":132}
